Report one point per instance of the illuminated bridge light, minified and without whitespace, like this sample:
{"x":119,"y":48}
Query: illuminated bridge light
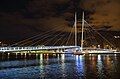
{"x":116,"y":37}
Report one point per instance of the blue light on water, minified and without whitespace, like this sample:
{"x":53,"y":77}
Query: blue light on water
{"x":80,"y":64}
{"x":61,"y":66}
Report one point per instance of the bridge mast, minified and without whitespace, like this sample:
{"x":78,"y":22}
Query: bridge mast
{"x":82,"y":32}
{"x":75,"y":24}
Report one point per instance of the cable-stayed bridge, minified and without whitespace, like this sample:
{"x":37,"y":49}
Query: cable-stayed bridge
{"x":61,"y":39}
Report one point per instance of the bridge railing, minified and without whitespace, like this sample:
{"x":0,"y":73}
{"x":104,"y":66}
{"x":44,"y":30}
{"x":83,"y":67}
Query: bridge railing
{"x":4,"y":49}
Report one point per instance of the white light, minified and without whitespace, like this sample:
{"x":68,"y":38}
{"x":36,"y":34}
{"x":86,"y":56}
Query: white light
{"x":41,"y":57}
{"x":116,"y":36}
{"x":63,"y":57}
{"x":99,"y":57}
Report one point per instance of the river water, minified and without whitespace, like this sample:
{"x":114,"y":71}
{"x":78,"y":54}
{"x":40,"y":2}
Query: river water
{"x":59,"y":66}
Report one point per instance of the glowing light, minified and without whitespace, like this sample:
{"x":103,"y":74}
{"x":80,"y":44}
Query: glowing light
{"x":58,"y":56}
{"x":15,"y":55}
{"x":63,"y":64}
{"x":25,"y":54}
{"x":98,"y":46}
{"x":99,"y":64}
{"x":47,"y":57}
{"x":63,"y":56}
{"x":90,"y":56}
{"x":8,"y":55}
{"x":116,"y":37}
{"x":41,"y":57}
{"x":80,"y":63}
{"x":99,"y":57}
{"x":115,"y":56}
{"x":41,"y":62}
{"x":36,"y":55}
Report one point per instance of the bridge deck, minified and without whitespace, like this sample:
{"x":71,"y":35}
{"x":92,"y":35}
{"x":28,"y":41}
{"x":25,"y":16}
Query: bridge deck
{"x":12,"y":49}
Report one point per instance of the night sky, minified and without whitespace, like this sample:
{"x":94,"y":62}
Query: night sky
{"x":24,"y":18}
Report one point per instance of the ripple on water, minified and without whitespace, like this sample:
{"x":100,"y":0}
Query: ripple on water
{"x":70,"y":67}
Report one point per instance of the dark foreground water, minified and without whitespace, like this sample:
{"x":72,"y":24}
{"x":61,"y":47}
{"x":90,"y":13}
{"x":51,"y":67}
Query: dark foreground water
{"x":59,"y":66}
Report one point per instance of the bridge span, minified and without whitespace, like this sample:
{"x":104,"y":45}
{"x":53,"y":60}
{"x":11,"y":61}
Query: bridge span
{"x":36,"y":48}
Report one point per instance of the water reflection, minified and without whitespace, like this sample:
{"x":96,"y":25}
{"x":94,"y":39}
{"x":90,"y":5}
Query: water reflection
{"x":100,"y":67}
{"x":8,"y":56}
{"x":16,"y":55}
{"x":108,"y":62}
{"x":41,"y":61}
{"x":63,"y":57}
{"x":63,"y":65}
{"x":80,"y":64}
{"x":59,"y":66}
{"x":58,"y":57}
{"x":41,"y":66}
{"x":115,"y":56}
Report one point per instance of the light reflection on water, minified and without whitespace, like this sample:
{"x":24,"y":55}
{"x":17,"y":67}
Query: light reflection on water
{"x":80,"y":65}
{"x":59,"y":66}
{"x":100,"y":66}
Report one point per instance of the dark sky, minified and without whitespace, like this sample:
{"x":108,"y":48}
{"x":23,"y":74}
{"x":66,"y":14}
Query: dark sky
{"x":24,"y":18}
